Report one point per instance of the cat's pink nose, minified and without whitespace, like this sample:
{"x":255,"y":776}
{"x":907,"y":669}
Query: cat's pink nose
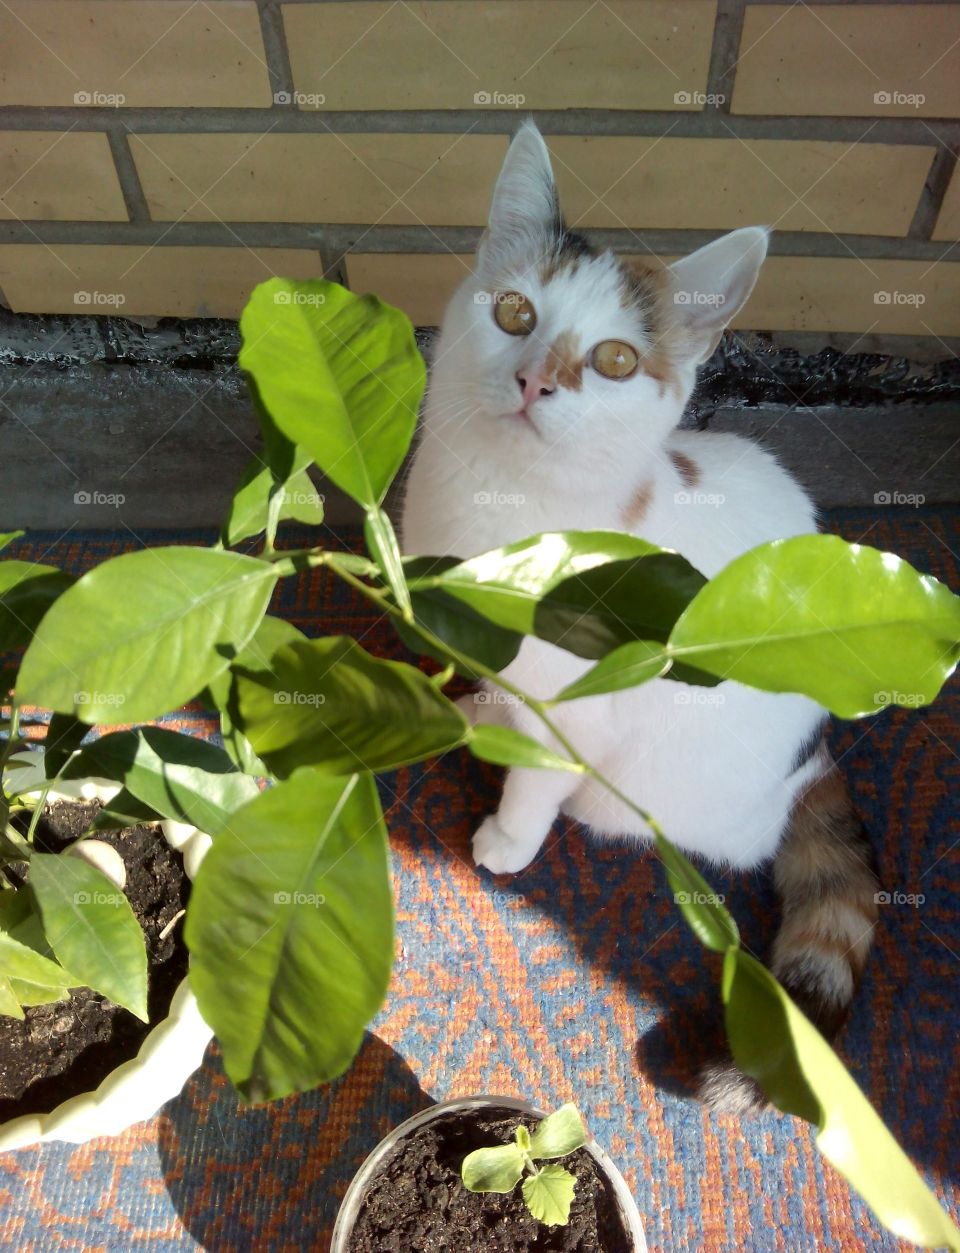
{"x":534,"y":384}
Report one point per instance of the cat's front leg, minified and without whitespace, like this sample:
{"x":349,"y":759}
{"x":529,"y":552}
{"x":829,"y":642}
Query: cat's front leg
{"x":511,"y":838}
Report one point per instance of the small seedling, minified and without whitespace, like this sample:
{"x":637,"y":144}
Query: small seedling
{"x":547,"y":1190}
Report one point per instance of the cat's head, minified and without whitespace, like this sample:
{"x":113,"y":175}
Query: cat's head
{"x":553,"y":340}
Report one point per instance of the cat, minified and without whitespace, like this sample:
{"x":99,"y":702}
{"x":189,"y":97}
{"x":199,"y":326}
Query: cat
{"x":557,"y":382}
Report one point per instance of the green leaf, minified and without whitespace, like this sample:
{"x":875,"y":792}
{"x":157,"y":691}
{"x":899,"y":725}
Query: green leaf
{"x":506,"y":747}
{"x":178,"y":776}
{"x":64,"y":734}
{"x":7,"y":537}
{"x":27,"y":590}
{"x":143,"y":633}
{"x":549,"y":1194}
{"x":328,"y":703}
{"x":9,"y":1005}
{"x":11,"y":852}
{"x":339,"y":374}
{"x":506,"y":584}
{"x":125,"y":810}
{"x":777,"y":1045}
{"x":296,"y":498}
{"x":703,"y":908}
{"x":559,"y":1133}
{"x":92,"y":929}
{"x":635,"y":598}
{"x":496,"y":1169}
{"x":522,"y":1137}
{"x":294,"y":900}
{"x":36,"y":979}
{"x":454,"y":622}
{"x":382,"y":543}
{"x":270,"y":635}
{"x":627,"y":666}
{"x":20,"y":919}
{"x":851,"y":627}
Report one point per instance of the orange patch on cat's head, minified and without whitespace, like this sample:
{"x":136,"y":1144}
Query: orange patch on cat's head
{"x":565,"y":362}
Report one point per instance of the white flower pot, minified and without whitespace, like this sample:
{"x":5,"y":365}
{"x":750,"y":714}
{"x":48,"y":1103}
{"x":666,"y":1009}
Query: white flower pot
{"x":350,"y":1208}
{"x":172,"y":1050}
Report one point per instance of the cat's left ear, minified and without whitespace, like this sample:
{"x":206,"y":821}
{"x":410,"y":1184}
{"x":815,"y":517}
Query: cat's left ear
{"x":713,"y":284}
{"x":525,"y":212}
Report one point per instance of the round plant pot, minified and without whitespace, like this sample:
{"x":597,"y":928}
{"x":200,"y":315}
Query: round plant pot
{"x":350,"y":1209}
{"x":173,"y":1048}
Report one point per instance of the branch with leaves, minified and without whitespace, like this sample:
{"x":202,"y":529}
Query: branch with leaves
{"x":289,"y":984}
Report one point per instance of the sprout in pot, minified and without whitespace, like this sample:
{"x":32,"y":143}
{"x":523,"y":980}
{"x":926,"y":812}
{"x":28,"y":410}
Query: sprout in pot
{"x":447,"y":1179}
{"x":548,"y":1189}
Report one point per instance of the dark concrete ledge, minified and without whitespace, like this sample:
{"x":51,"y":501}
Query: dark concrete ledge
{"x":107,"y":423}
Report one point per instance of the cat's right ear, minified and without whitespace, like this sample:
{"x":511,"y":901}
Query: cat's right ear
{"x":525,"y":211}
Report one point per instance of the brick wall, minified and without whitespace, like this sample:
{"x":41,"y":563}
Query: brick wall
{"x":159,"y":157}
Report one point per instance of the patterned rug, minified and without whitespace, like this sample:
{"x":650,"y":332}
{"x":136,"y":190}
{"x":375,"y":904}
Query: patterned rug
{"x":575,"y":980}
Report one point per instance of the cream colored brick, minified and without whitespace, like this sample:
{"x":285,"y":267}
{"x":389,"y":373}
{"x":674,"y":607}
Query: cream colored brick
{"x":793,"y":293}
{"x":443,"y":180}
{"x":868,"y":189}
{"x":58,"y":176}
{"x":552,"y":54}
{"x":851,"y":295}
{"x":157,"y":53}
{"x":419,"y":284}
{"x":876,"y":60}
{"x":948,"y":222}
{"x":161,"y":281}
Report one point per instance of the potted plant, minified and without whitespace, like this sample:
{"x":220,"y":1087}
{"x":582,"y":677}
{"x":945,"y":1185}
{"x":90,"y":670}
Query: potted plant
{"x":99,"y":1024}
{"x":291,"y":909}
{"x":488,"y":1173}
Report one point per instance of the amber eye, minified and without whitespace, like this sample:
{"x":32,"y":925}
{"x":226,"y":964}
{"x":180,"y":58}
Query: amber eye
{"x":614,"y":359}
{"x":514,"y":313}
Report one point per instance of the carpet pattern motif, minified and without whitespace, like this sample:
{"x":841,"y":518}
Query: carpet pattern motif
{"x":575,"y":980}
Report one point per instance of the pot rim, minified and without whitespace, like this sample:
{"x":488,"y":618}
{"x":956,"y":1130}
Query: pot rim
{"x":173,"y":1047}
{"x":350,"y":1206}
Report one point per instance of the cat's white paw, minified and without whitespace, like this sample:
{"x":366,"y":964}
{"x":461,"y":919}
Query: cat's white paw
{"x":499,"y":852}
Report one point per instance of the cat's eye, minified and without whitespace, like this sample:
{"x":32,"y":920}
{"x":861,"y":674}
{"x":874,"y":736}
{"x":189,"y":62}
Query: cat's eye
{"x":614,"y":359}
{"x":514,"y":313}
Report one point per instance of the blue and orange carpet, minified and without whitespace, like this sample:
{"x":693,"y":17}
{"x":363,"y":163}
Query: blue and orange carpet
{"x":575,"y":980}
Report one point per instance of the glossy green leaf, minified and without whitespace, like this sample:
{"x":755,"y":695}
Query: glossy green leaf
{"x":27,"y":590}
{"x":296,"y":499}
{"x":328,"y":703}
{"x":549,"y":1194}
{"x":454,"y":622}
{"x":178,"y":776}
{"x":775,"y":1043}
{"x":496,"y":1169}
{"x":64,"y":735}
{"x":270,"y":635}
{"x":506,"y":584}
{"x":851,"y":627}
{"x":522,"y":1137}
{"x":635,"y":598}
{"x":506,"y":747}
{"x":125,"y":810}
{"x":12,"y":851}
{"x":7,"y":537}
{"x":559,"y":1133}
{"x":382,"y":542}
{"x":340,"y":375}
{"x":91,"y":929}
{"x":9,"y":1004}
{"x":32,"y":969}
{"x":703,"y":908}
{"x":20,"y":919}
{"x":294,"y":900}
{"x":627,"y":666}
{"x":143,"y":633}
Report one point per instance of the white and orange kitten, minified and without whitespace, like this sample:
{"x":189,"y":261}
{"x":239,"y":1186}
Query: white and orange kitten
{"x":556,"y":388}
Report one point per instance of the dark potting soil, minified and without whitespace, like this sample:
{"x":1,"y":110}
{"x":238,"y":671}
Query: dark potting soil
{"x":417,"y":1202}
{"x":61,"y":1050}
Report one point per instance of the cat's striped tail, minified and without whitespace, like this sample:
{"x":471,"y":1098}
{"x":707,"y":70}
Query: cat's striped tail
{"x":825,"y":877}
